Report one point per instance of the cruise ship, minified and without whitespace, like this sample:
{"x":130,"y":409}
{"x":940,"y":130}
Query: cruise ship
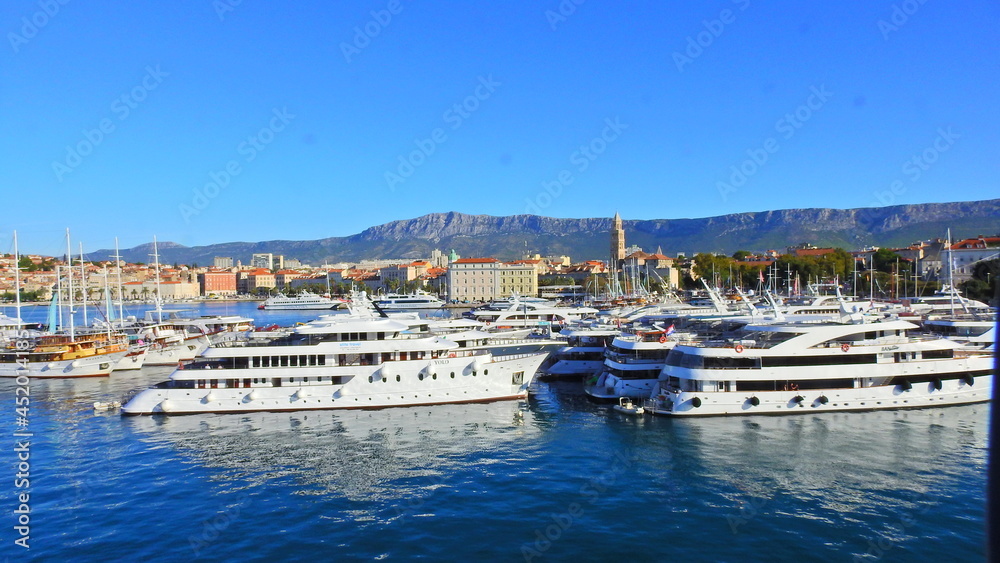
{"x":786,"y":368}
{"x":304,"y":301}
{"x":338,"y":362}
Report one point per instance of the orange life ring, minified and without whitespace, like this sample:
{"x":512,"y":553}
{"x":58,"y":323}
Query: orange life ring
{"x":845,"y":346}
{"x":739,"y":348}
{"x":452,"y":355}
{"x":663,"y":339}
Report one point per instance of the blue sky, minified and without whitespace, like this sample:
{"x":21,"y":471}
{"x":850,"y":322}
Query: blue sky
{"x":203,"y":122}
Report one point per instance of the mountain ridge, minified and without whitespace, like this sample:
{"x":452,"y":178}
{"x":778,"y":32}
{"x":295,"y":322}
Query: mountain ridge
{"x":513,"y":236}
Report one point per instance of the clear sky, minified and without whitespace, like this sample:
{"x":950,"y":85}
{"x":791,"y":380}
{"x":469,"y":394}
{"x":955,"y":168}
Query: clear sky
{"x":204,"y":122}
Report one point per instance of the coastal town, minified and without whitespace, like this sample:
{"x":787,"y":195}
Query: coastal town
{"x":627,"y":270}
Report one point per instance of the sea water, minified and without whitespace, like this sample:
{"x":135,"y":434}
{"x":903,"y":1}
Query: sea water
{"x":554,"y":477}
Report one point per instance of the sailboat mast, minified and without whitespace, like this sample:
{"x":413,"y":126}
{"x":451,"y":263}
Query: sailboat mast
{"x":951,"y":277}
{"x":69,"y":274}
{"x":83,"y":285}
{"x":17,"y":282}
{"x":156,"y":262}
{"x":121,"y":296}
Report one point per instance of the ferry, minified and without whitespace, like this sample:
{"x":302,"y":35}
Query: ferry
{"x":305,"y":301}
{"x":338,"y":362}
{"x":794,"y":368}
{"x":409,"y":301}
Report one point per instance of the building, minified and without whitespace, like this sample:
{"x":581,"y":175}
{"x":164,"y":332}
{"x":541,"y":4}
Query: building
{"x":268,"y":261}
{"x":282,"y":278}
{"x":617,"y":240}
{"x":218,"y":283}
{"x":222,"y":262}
{"x":251,"y":280}
{"x":485,"y":279}
{"x":403,"y":273}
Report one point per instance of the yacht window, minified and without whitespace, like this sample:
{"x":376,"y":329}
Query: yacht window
{"x":256,"y":361}
{"x":294,"y":361}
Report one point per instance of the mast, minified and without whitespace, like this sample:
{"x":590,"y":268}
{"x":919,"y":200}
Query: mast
{"x":59,"y":305}
{"x":121,"y":296}
{"x":17,"y":282}
{"x":69,"y":274}
{"x":107,"y":299}
{"x":156,"y":263}
{"x":83,"y":285}
{"x":951,"y":277}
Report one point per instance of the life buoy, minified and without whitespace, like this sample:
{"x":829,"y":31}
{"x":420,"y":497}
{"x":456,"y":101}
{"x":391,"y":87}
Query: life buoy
{"x":739,"y":348}
{"x":663,"y":339}
{"x":452,"y":355}
{"x":845,"y":346}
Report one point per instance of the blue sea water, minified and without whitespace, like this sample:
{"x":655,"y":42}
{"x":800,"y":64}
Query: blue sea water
{"x":551,"y":478}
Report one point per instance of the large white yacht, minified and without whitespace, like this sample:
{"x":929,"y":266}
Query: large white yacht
{"x":338,"y":362}
{"x":409,"y":301}
{"x":304,"y":301}
{"x":531,"y":314}
{"x":785,"y":368}
{"x":583,"y":353}
{"x":74,"y":354}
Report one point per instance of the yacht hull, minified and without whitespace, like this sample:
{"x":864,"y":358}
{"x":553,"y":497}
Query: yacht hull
{"x":884,"y":397}
{"x":405,"y":383}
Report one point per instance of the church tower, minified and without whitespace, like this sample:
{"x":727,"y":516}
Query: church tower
{"x":617,"y":240}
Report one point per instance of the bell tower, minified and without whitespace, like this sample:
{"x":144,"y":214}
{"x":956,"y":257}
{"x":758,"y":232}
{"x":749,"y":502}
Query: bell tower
{"x":617,"y":240}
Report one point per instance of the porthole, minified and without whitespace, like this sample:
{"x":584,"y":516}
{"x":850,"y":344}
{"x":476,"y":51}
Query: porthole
{"x":397,"y":379}
{"x":420,"y":377}
{"x":486,"y":372}
{"x":371,"y":379}
{"x":453,"y":375}
{"x":435,"y":376}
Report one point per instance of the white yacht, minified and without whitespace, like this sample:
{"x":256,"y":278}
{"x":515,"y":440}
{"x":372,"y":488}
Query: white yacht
{"x":304,"y":301}
{"x":632,"y":365}
{"x":338,"y":362}
{"x":972,"y":332}
{"x":786,"y":368}
{"x":947,"y":299}
{"x":409,"y":301}
{"x":521,"y":314}
{"x":583,"y":353}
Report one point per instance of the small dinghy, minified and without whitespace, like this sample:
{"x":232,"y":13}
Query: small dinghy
{"x":107,"y":406}
{"x":626,"y":406}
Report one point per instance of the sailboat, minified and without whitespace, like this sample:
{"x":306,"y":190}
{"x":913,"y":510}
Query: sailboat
{"x":60,"y":353}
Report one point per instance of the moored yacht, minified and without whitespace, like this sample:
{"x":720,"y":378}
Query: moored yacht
{"x":63,"y":355}
{"x":304,"y":301}
{"x":408,"y":301}
{"x":338,"y":362}
{"x":583,"y":353}
{"x":786,"y":368}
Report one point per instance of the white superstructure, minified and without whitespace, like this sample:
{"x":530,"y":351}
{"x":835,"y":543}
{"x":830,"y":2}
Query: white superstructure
{"x":785,"y":368}
{"x":338,"y":362}
{"x":304,"y":301}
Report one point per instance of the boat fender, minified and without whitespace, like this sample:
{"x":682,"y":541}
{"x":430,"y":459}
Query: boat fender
{"x":845,"y":346}
{"x":906,"y":386}
{"x":968,"y":379}
{"x":798,"y":398}
{"x":823,"y":400}
{"x":754,"y":401}
{"x":739,"y":348}
{"x":696,"y":402}
{"x":937,"y":383}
